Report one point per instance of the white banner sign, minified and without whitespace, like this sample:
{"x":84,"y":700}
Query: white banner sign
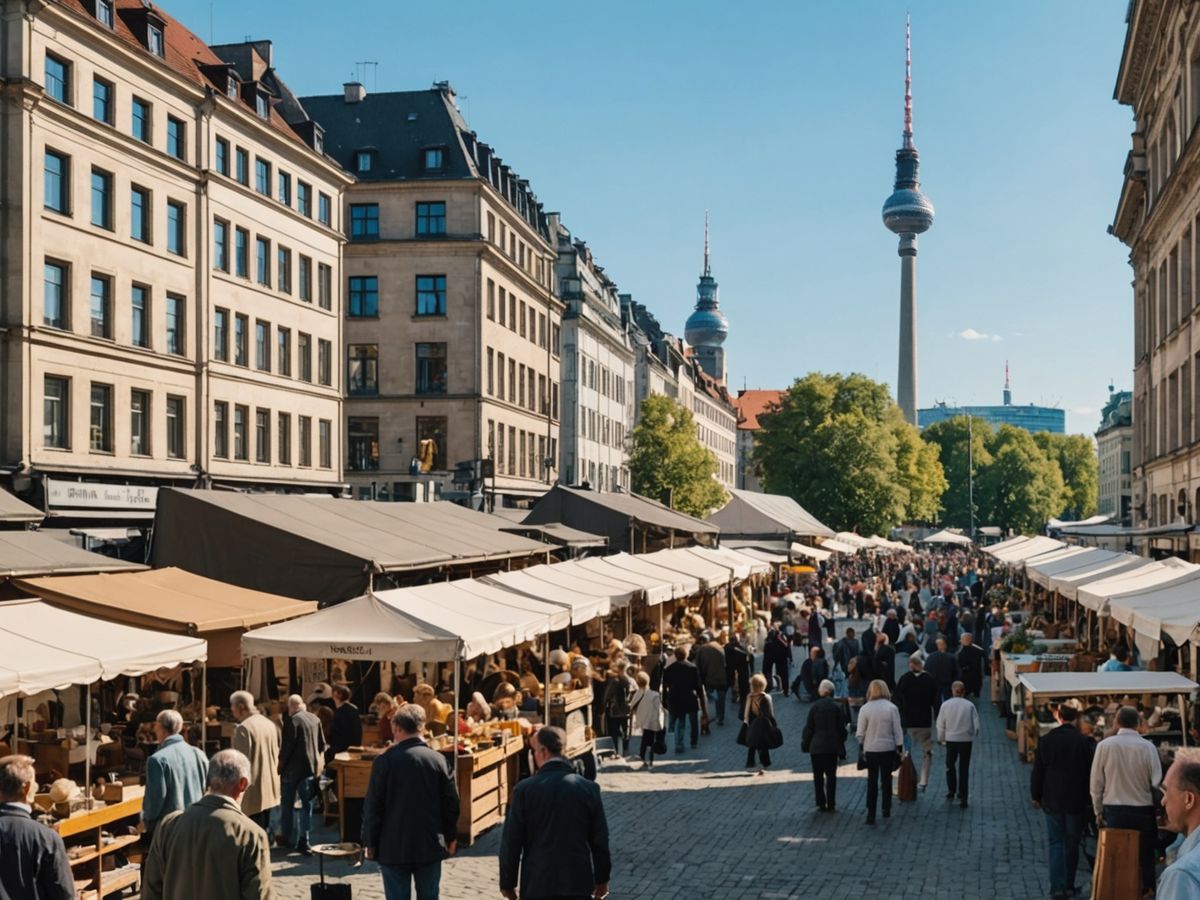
{"x":89,"y":495}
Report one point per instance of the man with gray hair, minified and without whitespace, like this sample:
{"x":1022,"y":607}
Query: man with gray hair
{"x":1125,"y":771}
{"x":257,"y":737}
{"x":33,"y":860}
{"x":211,"y":850}
{"x":175,"y":773}
{"x":301,"y":758}
{"x":1181,"y":802}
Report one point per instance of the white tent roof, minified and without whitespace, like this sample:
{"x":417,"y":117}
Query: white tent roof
{"x":585,"y":599}
{"x":681,"y":585}
{"x":765,"y":555}
{"x":839,"y":546}
{"x":1175,"y":604}
{"x":945,"y":537}
{"x":1099,"y":594}
{"x":856,"y":541}
{"x":658,"y":586}
{"x":817,"y":553}
{"x":1042,"y":568}
{"x":616,"y":583}
{"x":712,"y":575}
{"x":44,"y":647}
{"x":739,"y":567}
{"x":1090,"y":520}
{"x":1005,"y":544}
{"x":1069,"y":583}
{"x":1035,"y":546}
{"x":1067,"y":684}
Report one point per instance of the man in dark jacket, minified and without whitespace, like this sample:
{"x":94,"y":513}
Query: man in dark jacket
{"x":845,"y":650}
{"x":944,"y":669}
{"x":885,"y":661}
{"x":710,"y":660}
{"x":555,"y":840}
{"x":410,"y":815}
{"x":891,"y":627}
{"x":971,"y":662}
{"x":300,"y":757}
{"x":824,"y":739}
{"x":33,"y":860}
{"x":1059,"y":787}
{"x":917,"y":696}
{"x":737,"y":669}
{"x":346,"y":730}
{"x":682,"y":691}
{"x":777,"y":660}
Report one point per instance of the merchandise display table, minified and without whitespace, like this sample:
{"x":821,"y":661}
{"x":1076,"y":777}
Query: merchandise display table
{"x":88,"y":854}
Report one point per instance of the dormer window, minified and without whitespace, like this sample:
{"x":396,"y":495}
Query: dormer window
{"x":104,"y":12}
{"x":434,"y":158}
{"x":363,"y":160}
{"x":262,"y":106}
{"x":232,"y":88}
{"x":318,"y":140}
{"x":154,"y":39}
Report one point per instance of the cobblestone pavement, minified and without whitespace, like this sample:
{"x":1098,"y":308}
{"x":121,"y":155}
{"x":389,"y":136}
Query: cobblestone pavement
{"x":699,"y":826}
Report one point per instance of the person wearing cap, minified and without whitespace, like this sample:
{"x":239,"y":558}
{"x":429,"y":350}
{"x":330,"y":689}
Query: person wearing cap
{"x":824,"y":740}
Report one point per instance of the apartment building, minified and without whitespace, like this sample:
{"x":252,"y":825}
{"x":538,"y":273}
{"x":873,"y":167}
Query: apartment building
{"x":452,"y":331}
{"x":169,"y":263}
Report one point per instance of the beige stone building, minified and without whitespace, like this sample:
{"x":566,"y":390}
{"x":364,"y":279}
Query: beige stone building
{"x":1114,"y":447}
{"x":169,"y":264}
{"x":452,"y":330}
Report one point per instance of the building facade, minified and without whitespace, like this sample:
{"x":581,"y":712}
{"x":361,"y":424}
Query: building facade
{"x":452,"y":330}
{"x":169,"y":264}
{"x":751,"y":405}
{"x":598,"y":371}
{"x":1030,"y":417}
{"x":1114,"y":445}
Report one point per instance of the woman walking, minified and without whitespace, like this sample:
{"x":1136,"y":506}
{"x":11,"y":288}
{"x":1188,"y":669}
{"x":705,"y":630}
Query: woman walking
{"x":880,"y":741}
{"x":648,"y":716}
{"x":758,"y":716}
{"x":824,"y":740}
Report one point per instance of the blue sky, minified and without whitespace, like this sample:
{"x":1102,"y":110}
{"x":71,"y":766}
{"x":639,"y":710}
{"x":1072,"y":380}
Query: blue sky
{"x":782,"y":119}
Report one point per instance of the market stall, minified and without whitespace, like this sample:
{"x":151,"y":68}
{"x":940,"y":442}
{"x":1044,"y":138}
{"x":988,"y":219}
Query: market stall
{"x":952,"y":538}
{"x":1067,"y":584}
{"x":1020,"y":549}
{"x":750,"y":515}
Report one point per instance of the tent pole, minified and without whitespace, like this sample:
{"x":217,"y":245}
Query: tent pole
{"x":87,"y":747}
{"x":454,"y":734}
{"x":546,"y":683}
{"x":203,"y":705}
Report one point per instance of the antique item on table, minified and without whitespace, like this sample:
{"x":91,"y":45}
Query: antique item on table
{"x":435,"y":710}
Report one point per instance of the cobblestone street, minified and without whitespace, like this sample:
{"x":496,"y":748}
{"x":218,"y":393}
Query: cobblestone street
{"x":698,"y":826}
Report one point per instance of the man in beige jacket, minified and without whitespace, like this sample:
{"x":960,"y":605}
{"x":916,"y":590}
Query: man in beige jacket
{"x":257,"y":737}
{"x":211,"y":850}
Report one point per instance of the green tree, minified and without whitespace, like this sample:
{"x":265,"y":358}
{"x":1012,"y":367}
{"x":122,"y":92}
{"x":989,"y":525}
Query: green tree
{"x":949,"y":438}
{"x":920,"y":473}
{"x":1076,"y":458}
{"x":665,"y":455}
{"x":1022,"y":488}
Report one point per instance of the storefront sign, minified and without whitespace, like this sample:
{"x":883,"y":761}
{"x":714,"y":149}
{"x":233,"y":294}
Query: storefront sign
{"x":90,"y":495}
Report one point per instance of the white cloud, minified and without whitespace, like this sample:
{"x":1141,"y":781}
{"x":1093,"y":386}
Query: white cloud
{"x":970,"y":334}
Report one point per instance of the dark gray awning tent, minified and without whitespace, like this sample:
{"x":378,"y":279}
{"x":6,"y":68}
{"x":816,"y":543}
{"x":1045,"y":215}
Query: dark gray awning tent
{"x":557,"y":533}
{"x":751,"y":515}
{"x":14,"y":512}
{"x":25,"y":554}
{"x":310,"y":546}
{"x":614,"y":515}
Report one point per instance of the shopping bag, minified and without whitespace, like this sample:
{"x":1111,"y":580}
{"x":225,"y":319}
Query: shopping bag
{"x":1116,"y":874}
{"x":906,"y":786}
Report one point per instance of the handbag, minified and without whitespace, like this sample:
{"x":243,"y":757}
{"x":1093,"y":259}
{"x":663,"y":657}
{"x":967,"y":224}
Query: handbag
{"x":660,"y":741}
{"x":774,"y":736}
{"x":741,"y":735}
{"x":861,"y":765}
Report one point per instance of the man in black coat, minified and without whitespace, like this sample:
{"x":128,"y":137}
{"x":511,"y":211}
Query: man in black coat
{"x":1059,"y":787}
{"x":885,"y":661}
{"x":555,"y":840}
{"x":682,"y":691}
{"x":916,"y":695}
{"x":971,"y":662}
{"x":33,"y":860}
{"x":346,"y":729}
{"x":410,"y":815}
{"x":300,"y":761}
{"x":944,"y":668}
{"x":737,"y":669}
{"x":845,"y":650}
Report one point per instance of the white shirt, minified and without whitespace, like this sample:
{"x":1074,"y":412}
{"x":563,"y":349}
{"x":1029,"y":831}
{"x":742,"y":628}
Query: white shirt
{"x":879,"y":727}
{"x":958,"y":720}
{"x":1124,"y":770}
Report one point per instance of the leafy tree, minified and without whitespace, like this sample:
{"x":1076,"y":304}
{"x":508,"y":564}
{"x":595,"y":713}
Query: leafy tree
{"x":1022,"y":488}
{"x":666,"y":455}
{"x":1076,"y":458}
{"x":920,"y":473}
{"x":949,"y":438}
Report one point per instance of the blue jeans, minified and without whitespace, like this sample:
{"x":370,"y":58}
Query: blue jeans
{"x":677,"y":722}
{"x":1065,"y":831}
{"x":720,"y":693}
{"x":306,"y":790}
{"x":398,"y":881}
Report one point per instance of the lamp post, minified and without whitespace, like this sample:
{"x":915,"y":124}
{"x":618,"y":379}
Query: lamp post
{"x":971,"y":474}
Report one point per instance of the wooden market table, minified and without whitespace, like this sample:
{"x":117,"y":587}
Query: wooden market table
{"x":89,"y":866}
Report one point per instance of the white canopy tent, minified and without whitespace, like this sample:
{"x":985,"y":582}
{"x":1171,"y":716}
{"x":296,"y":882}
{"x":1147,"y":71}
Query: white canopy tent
{"x":1041,"y":570}
{"x":1099,"y":594}
{"x":1086,"y":684}
{"x":658,"y":586}
{"x":712,"y":575}
{"x":682,"y":585}
{"x":816,"y":553}
{"x":838,"y":546}
{"x":585,"y":599}
{"x":857,"y":541}
{"x":739,"y":568}
{"x":764,"y":555}
{"x":1172,"y":608}
{"x":1034,"y":546}
{"x":616,"y":581}
{"x":1069,"y":583}
{"x":945,"y":537}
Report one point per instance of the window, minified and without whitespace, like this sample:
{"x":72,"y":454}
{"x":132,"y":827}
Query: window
{"x":139,"y":214}
{"x":176,"y":423}
{"x":362,"y":369}
{"x":491,"y":372}
{"x":176,"y":138}
{"x":325,"y":285}
{"x":102,"y":213}
{"x":521,"y":383}
{"x":304,"y":439}
{"x":139,"y":423}
{"x":431,"y":295}
{"x":362,"y":442}
{"x":176,"y":324}
{"x":285,"y":188}
{"x":283,"y":274}
{"x":176,"y":238}
{"x":240,"y":415}
{"x":56,"y":191}
{"x":512,"y":381}
{"x":242,"y":166}
{"x":220,"y":245}
{"x":364,"y":221}
{"x":324,"y":209}
{"x":503,"y":307}
{"x":283,"y":439}
{"x":364,"y":297}
{"x":139,"y":315}
{"x":220,"y":429}
{"x":221,"y":334}
{"x":262,"y":436}
{"x":221,"y":157}
{"x":100,"y":306}
{"x":104,"y":12}
{"x":500,"y":375}
{"x":512,"y":313}
{"x":431,"y":368}
{"x":362,"y":160}
{"x":232,"y":87}
{"x":431,"y":218}
{"x":491,"y":300}
{"x":241,"y":253}
{"x":522,"y":319}
{"x":434,"y":157}
{"x":140,"y":117}
{"x":55,"y":294}
{"x":304,"y":199}
{"x":262,"y":249}
{"x":100,"y":438}
{"x":433,"y":428}
{"x":283,"y":347}
{"x":102,"y":101}
{"x":304,"y":356}
{"x":154,"y":39}
{"x":262,"y":176}
{"x":58,"y":79}
{"x":241,"y":340}
{"x":262,"y":345}
{"x":324,"y":362}
{"x":56,"y":409}
{"x":499,"y":457}
{"x":325,"y":440}
{"x":304,"y":275}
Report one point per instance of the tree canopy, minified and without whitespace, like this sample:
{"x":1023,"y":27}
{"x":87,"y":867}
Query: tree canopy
{"x":949,"y":440}
{"x":1023,"y":488}
{"x":666,"y":455}
{"x":1076,"y":458}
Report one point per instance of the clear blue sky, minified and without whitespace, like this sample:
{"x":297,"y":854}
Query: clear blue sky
{"x":632,"y":118}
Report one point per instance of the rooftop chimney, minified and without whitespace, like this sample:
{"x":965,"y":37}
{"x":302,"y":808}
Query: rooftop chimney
{"x":355,"y":92}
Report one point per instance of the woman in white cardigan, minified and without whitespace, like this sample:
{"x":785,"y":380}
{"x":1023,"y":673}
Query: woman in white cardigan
{"x":881,"y":739}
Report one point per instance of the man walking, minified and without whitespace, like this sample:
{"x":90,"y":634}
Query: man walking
{"x":300,"y":761}
{"x":211,"y":850}
{"x":1059,"y":787}
{"x":737,"y":668}
{"x":345,"y":731}
{"x":682,"y":689}
{"x":917,"y":696}
{"x":555,"y":840}
{"x":258,"y":739}
{"x":944,"y":669}
{"x":175,"y":773}
{"x":1125,"y":772}
{"x":33,"y":859}
{"x":957,"y":728}
{"x":845,"y":650}
{"x":971,"y":663}
{"x":710,"y":660}
{"x":885,"y":660}
{"x":410,"y":815}
{"x":1181,"y":802}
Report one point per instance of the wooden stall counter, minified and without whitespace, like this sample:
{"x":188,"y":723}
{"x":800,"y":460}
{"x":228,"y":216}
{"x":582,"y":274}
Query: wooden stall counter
{"x":89,"y":851}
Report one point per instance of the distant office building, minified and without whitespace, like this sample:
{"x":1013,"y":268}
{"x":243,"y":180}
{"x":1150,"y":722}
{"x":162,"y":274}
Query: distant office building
{"x":1114,"y":443}
{"x":1031,"y":418}
{"x":751,"y":405}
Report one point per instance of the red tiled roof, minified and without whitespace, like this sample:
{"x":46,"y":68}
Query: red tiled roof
{"x":752,"y":404}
